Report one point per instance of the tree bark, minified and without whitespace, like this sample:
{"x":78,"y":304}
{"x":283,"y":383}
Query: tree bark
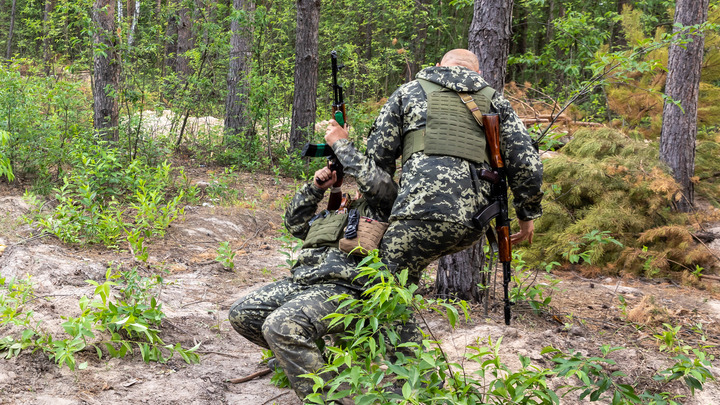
{"x":679,"y":129}
{"x":171,"y":35}
{"x":237,"y":116}
{"x":459,"y":275}
{"x":490,"y":37}
{"x":184,"y":42}
{"x":133,"y":24}
{"x":8,"y":53}
{"x":106,"y":72}
{"x":419,"y":41}
{"x":47,"y":52}
{"x":306,"y":65}
{"x":519,"y":44}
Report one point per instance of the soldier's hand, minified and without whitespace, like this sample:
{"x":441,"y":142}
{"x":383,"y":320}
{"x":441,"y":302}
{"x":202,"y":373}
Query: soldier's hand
{"x":527,"y":230}
{"x":324,"y":178}
{"x":334,"y":131}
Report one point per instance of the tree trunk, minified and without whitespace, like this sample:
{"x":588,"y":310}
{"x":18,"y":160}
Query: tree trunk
{"x":459,"y":275}
{"x":8,"y":53}
{"x":106,"y":72}
{"x":679,"y":129}
{"x":237,"y":118}
{"x":184,"y":42}
{"x":133,"y":24}
{"x":47,"y":52}
{"x":419,"y":42}
{"x":489,"y":39}
{"x":306,"y":66}
{"x":171,"y":35}
{"x":519,"y":44}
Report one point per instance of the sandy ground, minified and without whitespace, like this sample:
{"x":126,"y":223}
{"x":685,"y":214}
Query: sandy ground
{"x":584,"y":313}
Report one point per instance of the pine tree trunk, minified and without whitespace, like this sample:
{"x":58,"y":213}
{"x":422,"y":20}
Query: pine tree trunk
{"x":459,"y":275}
{"x":306,"y":66}
{"x":679,"y":129}
{"x":8,"y":53}
{"x":106,"y":71}
{"x":237,"y":118}
{"x":171,"y":36}
{"x":47,"y":53}
{"x":184,"y":42}
{"x":519,"y":44}
{"x":489,"y":39}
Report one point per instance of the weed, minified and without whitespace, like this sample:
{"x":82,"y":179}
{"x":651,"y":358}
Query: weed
{"x":109,"y":323}
{"x":225,"y":255}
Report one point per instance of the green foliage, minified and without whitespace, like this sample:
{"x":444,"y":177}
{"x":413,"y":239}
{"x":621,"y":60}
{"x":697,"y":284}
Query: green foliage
{"x":526,"y":286}
{"x":38,"y":115}
{"x":589,"y":249}
{"x":373,"y":365}
{"x":225,"y":255}
{"x":5,"y":166}
{"x":113,"y":324}
{"x":108,"y":197}
{"x":289,"y":247}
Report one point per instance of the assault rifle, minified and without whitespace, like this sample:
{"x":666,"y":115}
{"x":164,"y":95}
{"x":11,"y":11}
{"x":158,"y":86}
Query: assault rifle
{"x":324,"y":150}
{"x":498,"y":207}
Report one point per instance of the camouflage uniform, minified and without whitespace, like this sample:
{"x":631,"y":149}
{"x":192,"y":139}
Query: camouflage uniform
{"x":287,"y":316}
{"x":432,"y":215}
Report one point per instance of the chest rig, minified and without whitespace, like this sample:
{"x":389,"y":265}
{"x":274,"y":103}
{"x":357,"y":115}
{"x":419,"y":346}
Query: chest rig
{"x":327,"y":227}
{"x":450,"y":128}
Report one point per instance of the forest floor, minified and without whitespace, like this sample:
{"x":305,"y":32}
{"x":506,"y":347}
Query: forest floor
{"x":584,"y":313}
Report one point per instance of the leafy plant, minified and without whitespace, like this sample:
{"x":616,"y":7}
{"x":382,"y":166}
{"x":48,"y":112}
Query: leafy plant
{"x":129,"y":321}
{"x":373,"y":364}
{"x":225,"y":255}
{"x":526,"y":289}
{"x":289,"y":247}
{"x":586,"y":250}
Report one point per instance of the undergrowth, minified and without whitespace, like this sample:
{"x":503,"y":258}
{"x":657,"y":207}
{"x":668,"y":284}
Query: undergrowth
{"x":604,"y":184}
{"x":373,"y":366}
{"x":122,"y":315}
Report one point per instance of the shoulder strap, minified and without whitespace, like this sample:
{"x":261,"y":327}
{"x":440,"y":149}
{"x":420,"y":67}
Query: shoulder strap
{"x":469,"y":102}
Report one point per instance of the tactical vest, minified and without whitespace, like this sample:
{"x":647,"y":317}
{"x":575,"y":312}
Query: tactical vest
{"x":450,"y":128}
{"x":327,"y":227}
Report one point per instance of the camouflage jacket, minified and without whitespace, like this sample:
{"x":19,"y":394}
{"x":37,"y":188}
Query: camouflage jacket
{"x":329,"y":264}
{"x":440,"y":188}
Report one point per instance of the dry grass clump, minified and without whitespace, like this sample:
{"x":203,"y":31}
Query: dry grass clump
{"x":648,"y":312}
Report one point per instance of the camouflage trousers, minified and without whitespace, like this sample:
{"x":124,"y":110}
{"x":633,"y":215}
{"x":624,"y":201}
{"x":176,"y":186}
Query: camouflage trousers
{"x":414,"y":244}
{"x":287,"y":318}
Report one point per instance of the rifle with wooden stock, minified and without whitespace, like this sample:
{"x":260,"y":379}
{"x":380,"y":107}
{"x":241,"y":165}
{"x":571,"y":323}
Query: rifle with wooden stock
{"x":498,"y":207}
{"x":324,"y":150}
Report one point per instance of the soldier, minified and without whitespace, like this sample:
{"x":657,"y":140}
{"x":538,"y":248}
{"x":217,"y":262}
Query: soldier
{"x":287,"y":316}
{"x":443,"y":149}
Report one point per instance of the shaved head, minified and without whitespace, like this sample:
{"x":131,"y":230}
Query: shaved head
{"x":461,"y":57}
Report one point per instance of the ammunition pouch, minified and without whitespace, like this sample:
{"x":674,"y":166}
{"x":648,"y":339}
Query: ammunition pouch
{"x":369,"y":233}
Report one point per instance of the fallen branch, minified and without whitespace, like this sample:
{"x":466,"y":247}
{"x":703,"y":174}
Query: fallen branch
{"x":250,"y":377}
